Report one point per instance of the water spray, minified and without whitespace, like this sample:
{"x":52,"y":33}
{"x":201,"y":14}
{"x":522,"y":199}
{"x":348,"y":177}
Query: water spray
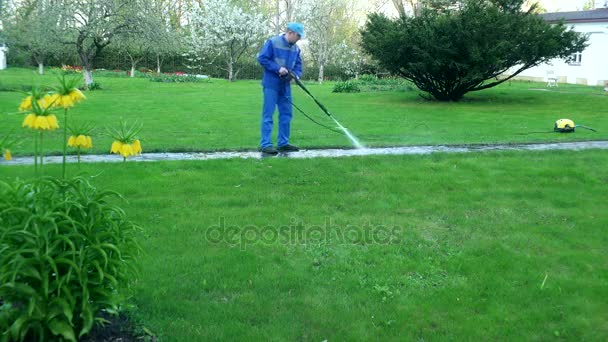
{"x":343,"y":129}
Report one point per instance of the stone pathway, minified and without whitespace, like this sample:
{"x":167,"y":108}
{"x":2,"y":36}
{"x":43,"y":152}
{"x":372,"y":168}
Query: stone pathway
{"x":321,"y":153}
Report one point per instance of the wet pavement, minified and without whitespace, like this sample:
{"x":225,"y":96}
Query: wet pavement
{"x":320,"y":153}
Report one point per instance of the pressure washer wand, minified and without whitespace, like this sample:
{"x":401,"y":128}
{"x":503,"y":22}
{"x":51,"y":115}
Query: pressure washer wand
{"x":301,"y":85}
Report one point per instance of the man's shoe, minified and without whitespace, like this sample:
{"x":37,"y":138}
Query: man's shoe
{"x":269,"y":150}
{"x":288,"y":148}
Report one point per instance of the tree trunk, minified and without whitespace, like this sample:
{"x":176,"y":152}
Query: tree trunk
{"x":88,"y":76}
{"x":41,"y":68}
{"x":289,"y":7}
{"x":132,"y":69}
{"x":400,"y":7}
{"x":320,"y":79}
{"x":158,"y":64}
{"x":230,"y":70}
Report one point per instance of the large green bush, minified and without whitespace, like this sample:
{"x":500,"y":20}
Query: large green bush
{"x":476,"y":45}
{"x":67,"y":254}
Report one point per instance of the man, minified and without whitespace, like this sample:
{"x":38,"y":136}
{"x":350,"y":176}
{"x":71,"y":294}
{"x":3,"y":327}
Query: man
{"x":280,"y":58}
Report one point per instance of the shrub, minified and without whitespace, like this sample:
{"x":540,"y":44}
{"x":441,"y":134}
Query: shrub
{"x":369,"y":79}
{"x":66,"y":252}
{"x":111,"y":73}
{"x":176,"y":78}
{"x":95,"y":86}
{"x":346,"y":87}
{"x":373,"y":83}
{"x":448,"y":52}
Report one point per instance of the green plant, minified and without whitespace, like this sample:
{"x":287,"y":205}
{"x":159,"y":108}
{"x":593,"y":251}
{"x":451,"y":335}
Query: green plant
{"x":346,"y":87}
{"x":368,"y":79}
{"x":450,"y":52}
{"x":95,"y":86}
{"x":175,"y":78}
{"x":66,"y":252}
{"x":126,"y":142}
{"x":373,"y":83}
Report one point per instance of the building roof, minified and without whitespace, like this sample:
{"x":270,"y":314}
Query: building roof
{"x":592,"y":16}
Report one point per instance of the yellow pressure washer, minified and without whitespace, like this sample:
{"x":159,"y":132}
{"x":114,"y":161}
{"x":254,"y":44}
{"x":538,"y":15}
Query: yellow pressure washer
{"x":562,"y":126}
{"x":568,"y":126}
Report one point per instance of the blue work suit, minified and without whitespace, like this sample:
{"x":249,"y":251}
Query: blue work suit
{"x":276,"y":53}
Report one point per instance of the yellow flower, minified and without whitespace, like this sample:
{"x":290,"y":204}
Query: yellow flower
{"x":65,"y":101}
{"x":26,"y":104}
{"x":7,"y":155}
{"x":126,"y":150}
{"x":52,"y":119}
{"x":42,"y":122}
{"x":116,"y":147}
{"x":137,"y":146}
{"x":81,"y":140}
{"x":76,"y":95}
{"x":44,"y":103}
{"x":29,"y":121}
{"x":48,"y":101}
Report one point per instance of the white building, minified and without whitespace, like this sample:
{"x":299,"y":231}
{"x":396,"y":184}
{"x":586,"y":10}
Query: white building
{"x":3,"y":52}
{"x":589,"y":67}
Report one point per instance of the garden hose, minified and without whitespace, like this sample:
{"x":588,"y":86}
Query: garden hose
{"x":563,"y":126}
{"x":301,"y":85}
{"x":293,"y":76}
{"x":313,"y":120}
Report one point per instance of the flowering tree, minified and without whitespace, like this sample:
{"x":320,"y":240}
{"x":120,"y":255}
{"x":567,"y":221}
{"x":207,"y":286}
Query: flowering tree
{"x":349,"y":59}
{"x":222,"y":30}
{"x":281,"y":12}
{"x":327,"y":23}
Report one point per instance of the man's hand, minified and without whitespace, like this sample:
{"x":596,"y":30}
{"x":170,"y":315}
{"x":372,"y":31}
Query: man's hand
{"x":283,"y":71}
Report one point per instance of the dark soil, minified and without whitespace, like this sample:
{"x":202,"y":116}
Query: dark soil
{"x":120,"y":329}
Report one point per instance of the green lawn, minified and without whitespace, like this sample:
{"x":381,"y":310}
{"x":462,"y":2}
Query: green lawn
{"x":446,"y":246}
{"x":477,"y":246}
{"x":225,"y":116}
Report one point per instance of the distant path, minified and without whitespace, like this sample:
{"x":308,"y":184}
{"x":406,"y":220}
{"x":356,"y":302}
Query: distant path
{"x":322,"y":153}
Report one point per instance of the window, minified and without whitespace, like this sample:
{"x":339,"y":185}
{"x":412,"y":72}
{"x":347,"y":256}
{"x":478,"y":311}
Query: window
{"x":576,"y":59}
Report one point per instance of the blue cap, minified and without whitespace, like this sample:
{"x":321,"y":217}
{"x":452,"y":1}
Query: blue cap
{"x":297,"y":28}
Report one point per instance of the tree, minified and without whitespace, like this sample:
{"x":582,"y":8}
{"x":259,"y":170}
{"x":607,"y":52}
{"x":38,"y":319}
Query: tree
{"x":448,"y":54}
{"x":152,"y":34}
{"x":136,"y":45}
{"x":33,"y":30}
{"x":221,"y":29}
{"x":2,"y":20}
{"x":166,"y":37}
{"x":593,"y":4}
{"x":328,"y":23}
{"x":414,"y":7}
{"x":283,"y":12}
{"x":91,"y":25}
{"x":349,"y":59}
